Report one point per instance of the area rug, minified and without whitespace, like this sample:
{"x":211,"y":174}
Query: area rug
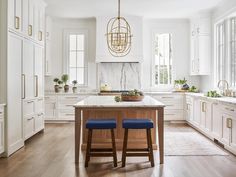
{"x":190,"y":144}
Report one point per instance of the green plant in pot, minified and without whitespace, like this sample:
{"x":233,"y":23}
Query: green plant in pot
{"x":65,"y":78}
{"x":74,"y":88}
{"x":56,"y":85}
{"x":60,"y":85}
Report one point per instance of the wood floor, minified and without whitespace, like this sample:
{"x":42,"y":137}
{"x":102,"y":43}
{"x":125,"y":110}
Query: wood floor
{"x":51,"y":154}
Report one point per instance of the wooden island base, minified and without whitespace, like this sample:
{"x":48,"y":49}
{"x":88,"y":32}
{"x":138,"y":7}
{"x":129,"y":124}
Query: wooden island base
{"x":102,"y":138}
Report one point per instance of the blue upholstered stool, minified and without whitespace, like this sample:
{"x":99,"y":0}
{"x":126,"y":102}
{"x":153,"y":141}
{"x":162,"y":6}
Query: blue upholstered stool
{"x":145,"y":124}
{"x":92,"y":124}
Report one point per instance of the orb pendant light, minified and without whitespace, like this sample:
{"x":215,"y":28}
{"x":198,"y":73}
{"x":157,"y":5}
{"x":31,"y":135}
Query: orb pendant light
{"x":118,"y":35}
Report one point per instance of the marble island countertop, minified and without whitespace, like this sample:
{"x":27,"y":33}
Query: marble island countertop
{"x":109,"y":101}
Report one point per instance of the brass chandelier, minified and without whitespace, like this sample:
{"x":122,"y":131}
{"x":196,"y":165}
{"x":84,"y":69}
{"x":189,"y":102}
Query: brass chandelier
{"x":118,"y":35}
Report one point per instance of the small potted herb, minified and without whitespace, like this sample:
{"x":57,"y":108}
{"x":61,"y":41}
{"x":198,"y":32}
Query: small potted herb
{"x":65,"y":78}
{"x":56,"y":85}
{"x":74,"y":88}
{"x":60,"y":85}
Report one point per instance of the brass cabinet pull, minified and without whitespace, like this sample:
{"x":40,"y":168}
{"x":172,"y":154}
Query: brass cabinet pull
{"x":40,"y":36}
{"x":36,"y":90}
{"x":23,"y":85}
{"x":203,"y":107}
{"x":167,"y":97}
{"x":30,"y":118}
{"x":30,"y":102}
{"x":17,"y":22}
{"x":229,"y":123}
{"x":30,"y":30}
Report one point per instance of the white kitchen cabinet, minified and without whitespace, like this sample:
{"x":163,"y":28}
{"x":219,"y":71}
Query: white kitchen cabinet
{"x":59,"y":107}
{"x":102,"y":52}
{"x":174,"y":109}
{"x":38,"y":72}
{"x":48,"y":59}
{"x":197,"y":110}
{"x":15,"y":18}
{"x":28,"y":18}
{"x":205,"y":116}
{"x":29,"y":126}
{"x":14,"y":120}
{"x":200,"y":49}
{"x":39,"y":122}
{"x":2,"y":138}
{"x":189,"y":109}
{"x":216,"y":121}
{"x":48,"y":28}
{"x":28,"y":70}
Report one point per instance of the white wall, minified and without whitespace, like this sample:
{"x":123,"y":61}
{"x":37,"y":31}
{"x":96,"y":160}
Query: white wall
{"x":181,"y":48}
{"x":57,"y":53}
{"x":224,"y":9}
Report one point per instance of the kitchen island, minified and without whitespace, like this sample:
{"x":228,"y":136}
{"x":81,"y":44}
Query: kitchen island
{"x":105,"y":107}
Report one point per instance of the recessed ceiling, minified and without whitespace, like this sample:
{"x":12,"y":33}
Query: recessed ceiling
{"x":145,"y":8}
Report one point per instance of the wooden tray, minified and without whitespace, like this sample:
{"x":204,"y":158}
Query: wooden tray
{"x":131,"y":98}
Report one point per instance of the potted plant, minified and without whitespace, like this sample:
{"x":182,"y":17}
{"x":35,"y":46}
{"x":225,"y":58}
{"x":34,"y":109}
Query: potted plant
{"x":60,"y":85}
{"x":74,"y":82}
{"x":65,"y":78}
{"x":56,"y":86}
{"x":181,"y":84}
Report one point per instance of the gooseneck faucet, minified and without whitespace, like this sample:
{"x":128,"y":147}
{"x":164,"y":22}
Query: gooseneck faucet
{"x":223,"y":89}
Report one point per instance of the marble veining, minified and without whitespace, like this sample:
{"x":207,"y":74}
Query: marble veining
{"x":120,"y":76}
{"x":109,"y":101}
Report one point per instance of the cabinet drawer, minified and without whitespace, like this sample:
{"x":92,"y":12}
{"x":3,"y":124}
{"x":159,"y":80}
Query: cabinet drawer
{"x":50,"y":98}
{"x":28,"y":107}
{"x":68,"y":98}
{"x":173,"y":115}
{"x":39,"y":122}
{"x":229,"y":110}
{"x":65,"y":114}
{"x":66,"y":105}
{"x":39,"y":105}
{"x":173,"y":105}
{"x":169,"y":97}
{"x":29,"y":126}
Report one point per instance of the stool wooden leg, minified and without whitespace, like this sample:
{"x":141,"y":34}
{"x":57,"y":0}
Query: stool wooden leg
{"x":150,"y":147}
{"x":148,"y":144}
{"x":114,"y":147}
{"x":124,"y":148}
{"x":89,"y":142}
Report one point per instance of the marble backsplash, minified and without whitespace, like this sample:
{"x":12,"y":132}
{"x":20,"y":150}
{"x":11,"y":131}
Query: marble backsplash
{"x":120,"y":76}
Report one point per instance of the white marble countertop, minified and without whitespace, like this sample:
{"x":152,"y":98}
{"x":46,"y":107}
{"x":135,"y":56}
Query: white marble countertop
{"x":70,"y":93}
{"x":109,"y":101}
{"x":229,"y":100}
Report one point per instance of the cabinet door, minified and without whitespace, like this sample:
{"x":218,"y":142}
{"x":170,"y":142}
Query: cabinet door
{"x":189,"y":112}
{"x":39,"y":122}
{"x":50,"y":110}
{"x":208,"y":121}
{"x":38,"y":68}
{"x":29,"y":126}
{"x":36,"y":19}
{"x":233,"y":134}
{"x":197,"y":110}
{"x":25,"y":16}
{"x":1,"y":135}
{"x":41,"y":22}
{"x":203,"y":114}
{"x":28,"y":70}
{"x":14,"y":92}
{"x":225,"y":130}
{"x":15,"y":15}
{"x":216,"y":121}
{"x":48,"y":58}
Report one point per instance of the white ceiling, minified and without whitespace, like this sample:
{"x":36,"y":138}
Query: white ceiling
{"x":145,"y":8}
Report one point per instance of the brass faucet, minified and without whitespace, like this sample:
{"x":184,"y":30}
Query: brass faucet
{"x":225,"y":92}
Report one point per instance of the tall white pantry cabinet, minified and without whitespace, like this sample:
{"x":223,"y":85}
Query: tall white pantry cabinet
{"x":22,"y":34}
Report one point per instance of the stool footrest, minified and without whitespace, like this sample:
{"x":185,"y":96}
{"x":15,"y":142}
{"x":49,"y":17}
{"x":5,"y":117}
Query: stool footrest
{"x":101,"y":150}
{"x":100,"y":154}
{"x":144,"y":149}
{"x":137,"y":154}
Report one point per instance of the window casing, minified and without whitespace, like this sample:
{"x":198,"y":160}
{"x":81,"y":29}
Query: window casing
{"x":162,"y":75}
{"x":233,"y":52}
{"x":76,"y":56}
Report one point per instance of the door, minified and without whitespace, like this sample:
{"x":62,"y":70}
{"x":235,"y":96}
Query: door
{"x":38,"y":75}
{"x":28,"y":70}
{"x":14,"y":92}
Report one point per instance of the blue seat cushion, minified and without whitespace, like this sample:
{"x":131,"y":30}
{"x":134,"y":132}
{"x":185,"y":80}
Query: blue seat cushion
{"x":137,"y":123}
{"x":101,"y":123}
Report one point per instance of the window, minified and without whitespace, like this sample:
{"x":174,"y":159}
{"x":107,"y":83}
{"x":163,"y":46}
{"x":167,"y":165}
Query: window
{"x":162,"y":75}
{"x":76,"y":56}
{"x":220,"y":52}
{"x":233,"y":51}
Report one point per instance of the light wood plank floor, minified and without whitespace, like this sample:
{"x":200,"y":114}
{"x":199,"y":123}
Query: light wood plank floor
{"x":51,"y":154}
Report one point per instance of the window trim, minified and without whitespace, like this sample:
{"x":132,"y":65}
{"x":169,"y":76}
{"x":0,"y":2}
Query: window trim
{"x":68,"y":32}
{"x":152,"y":70}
